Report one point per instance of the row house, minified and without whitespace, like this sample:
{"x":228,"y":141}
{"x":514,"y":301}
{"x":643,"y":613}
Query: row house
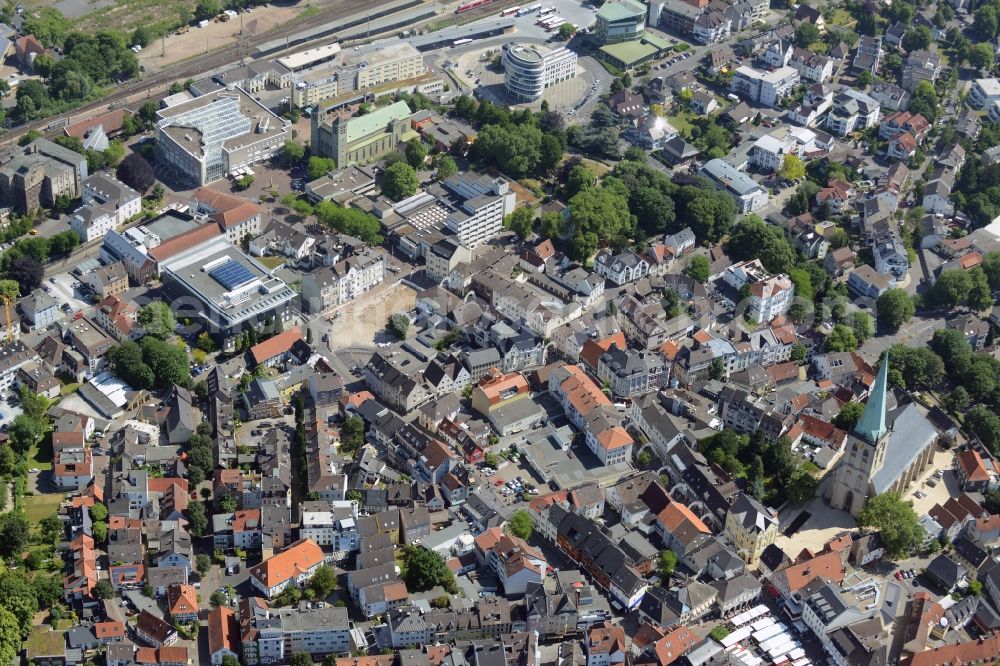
{"x":591,"y":412}
{"x":611,"y":569}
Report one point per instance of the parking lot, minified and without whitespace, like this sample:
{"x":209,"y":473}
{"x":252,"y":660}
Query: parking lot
{"x":68,"y":292}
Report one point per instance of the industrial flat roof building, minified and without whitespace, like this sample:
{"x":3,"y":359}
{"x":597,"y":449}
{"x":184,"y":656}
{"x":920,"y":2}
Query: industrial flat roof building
{"x":233,"y":292}
{"x":209,"y":137}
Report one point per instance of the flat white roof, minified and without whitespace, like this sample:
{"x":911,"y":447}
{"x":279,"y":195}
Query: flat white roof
{"x":305,"y":58}
{"x":990,"y":86}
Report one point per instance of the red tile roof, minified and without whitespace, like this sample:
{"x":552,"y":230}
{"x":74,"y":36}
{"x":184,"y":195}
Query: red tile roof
{"x":279,"y":344}
{"x":297,"y":559}
{"x":184,"y":241}
{"x":223,"y":631}
{"x":980,"y":651}
{"x":110,"y":122}
{"x":973,"y":466}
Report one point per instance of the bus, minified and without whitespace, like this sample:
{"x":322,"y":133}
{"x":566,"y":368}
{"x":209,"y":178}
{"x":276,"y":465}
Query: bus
{"x":510,"y":11}
{"x":553,"y":22}
{"x":523,"y":11}
{"x":460,"y":42}
{"x":546,"y":11}
{"x":533,"y":8}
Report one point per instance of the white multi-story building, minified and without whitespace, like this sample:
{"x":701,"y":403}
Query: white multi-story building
{"x":811,"y":66}
{"x":852,"y":111}
{"x":210,"y":137}
{"x":332,"y":528}
{"x":768,"y":152}
{"x":107,"y":204}
{"x":766,"y":88}
{"x":344,"y":281}
{"x":481,"y":204}
{"x":983,"y":93}
{"x":529,"y":70}
{"x":770,"y":295}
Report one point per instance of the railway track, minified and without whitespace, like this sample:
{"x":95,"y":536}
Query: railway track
{"x":135,"y":91}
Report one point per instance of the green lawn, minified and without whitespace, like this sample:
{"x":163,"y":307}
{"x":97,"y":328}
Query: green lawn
{"x":66,"y":389}
{"x":40,"y":455}
{"x":272,"y":262}
{"x":682,"y":122}
{"x":842,"y":17}
{"x":37,"y":507}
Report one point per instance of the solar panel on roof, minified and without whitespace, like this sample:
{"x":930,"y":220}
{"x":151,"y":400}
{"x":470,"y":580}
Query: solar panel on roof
{"x":232,"y":275}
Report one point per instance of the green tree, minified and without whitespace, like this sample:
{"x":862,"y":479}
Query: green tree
{"x":197,"y":519}
{"x":951,"y":289}
{"x":896,"y":521}
{"x":100,"y":532}
{"x":169,"y":362}
{"x":806,"y":33}
{"x":416,"y":153}
{"x":718,"y":633}
{"x":126,"y":360}
{"x":399,"y":181}
{"x":925,"y":101}
{"x":399,"y":324}
{"x":596,"y":213}
{"x":754,"y":238}
{"x":230,"y":660}
{"x":667,"y":564}
{"x":206,"y":10}
{"x":894,"y":308}
{"x":698,"y":268}
{"x":24,"y":432}
{"x":15,"y":530}
{"x":981,"y":55}
{"x":293,"y":152}
{"x":865,"y":79}
{"x":849,"y":415}
{"x":103,"y":589}
{"x":841,"y":339}
{"x":917,"y":38}
{"x":18,"y":596}
{"x":979,"y":297}
{"x":323,"y":582}
{"x":10,"y":636}
{"x":863,"y":325}
{"x":984,"y":424}
{"x":203,"y":563}
{"x":985,"y":22}
{"x":217,"y":599}
{"x":792,"y":166}
{"x":579,"y":179}
{"x":157,"y":319}
{"x":446,"y":167}
{"x":801,"y":486}
{"x":301,"y":659}
{"x":799,"y":352}
{"x":521,"y":221}
{"x":566,"y":31}
{"x":520,"y":524}
{"x":319,"y":166}
{"x":425,"y":569}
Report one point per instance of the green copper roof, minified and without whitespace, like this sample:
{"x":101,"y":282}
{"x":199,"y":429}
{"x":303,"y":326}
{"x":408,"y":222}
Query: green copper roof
{"x":619,"y":11}
{"x":871,"y":425}
{"x":375,"y":121}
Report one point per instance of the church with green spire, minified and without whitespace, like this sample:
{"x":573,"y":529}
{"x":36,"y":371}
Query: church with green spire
{"x":888,"y":449}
